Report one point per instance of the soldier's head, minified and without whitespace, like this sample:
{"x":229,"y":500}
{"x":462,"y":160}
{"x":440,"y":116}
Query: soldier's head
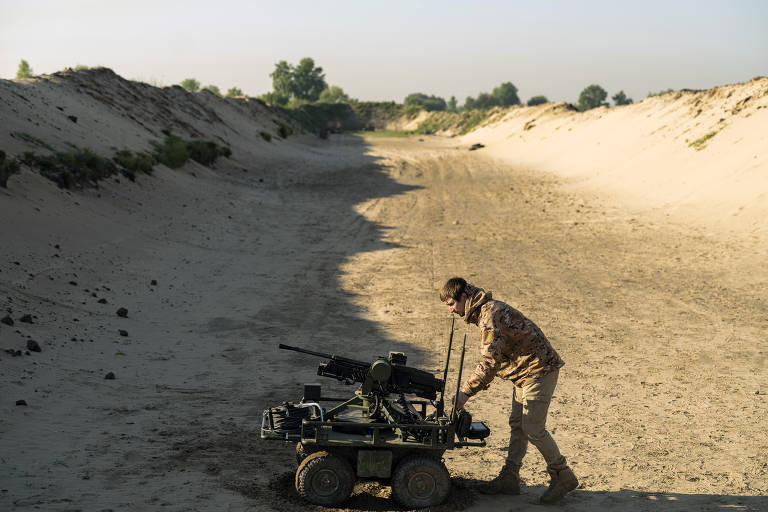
{"x":454,"y":295}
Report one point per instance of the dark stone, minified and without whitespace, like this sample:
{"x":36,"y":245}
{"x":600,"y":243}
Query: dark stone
{"x":21,"y":402}
{"x":33,"y":346}
{"x":476,"y":146}
{"x":123,"y":332}
{"x":27,"y":319}
{"x":102,"y":301}
{"x":73,"y":283}
{"x":122,"y":312}
{"x":110,"y":376}
{"x":7,"y":320}
{"x":57,"y":246}
{"x":153,"y":282}
{"x":10,"y":351}
{"x":72,"y":118}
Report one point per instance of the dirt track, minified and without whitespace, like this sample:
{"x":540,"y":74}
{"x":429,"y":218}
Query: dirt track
{"x":661,"y":405}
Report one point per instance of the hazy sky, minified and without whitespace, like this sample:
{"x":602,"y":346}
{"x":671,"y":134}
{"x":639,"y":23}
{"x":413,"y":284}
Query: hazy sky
{"x":384,"y":50}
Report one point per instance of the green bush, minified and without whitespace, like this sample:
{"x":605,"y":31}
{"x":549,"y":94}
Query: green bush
{"x":134,"y":162}
{"x":266,"y":136}
{"x":537,"y":100}
{"x":284,"y":131}
{"x":77,"y":168}
{"x":8,"y":167}
{"x":173,"y":152}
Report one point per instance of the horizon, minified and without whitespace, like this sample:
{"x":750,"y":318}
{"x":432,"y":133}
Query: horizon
{"x":414,"y":48}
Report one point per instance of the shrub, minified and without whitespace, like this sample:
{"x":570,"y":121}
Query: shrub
{"x":660,"y":93}
{"x":76,"y":168}
{"x":134,"y":162}
{"x":701,"y":142}
{"x":266,"y":136}
{"x":234,"y":92}
{"x":620,"y":98}
{"x":206,"y":152}
{"x":8,"y":167}
{"x":284,"y":131}
{"x":172,"y":152}
{"x":214,"y":89}
{"x":190,"y":84}
{"x":537,"y":100}
{"x":25,"y":70}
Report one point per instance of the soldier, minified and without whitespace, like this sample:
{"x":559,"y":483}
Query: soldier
{"x":513,"y":348}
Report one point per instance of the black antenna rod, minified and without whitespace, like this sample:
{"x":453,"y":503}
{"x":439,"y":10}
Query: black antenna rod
{"x":458,"y":379}
{"x":447,"y":359}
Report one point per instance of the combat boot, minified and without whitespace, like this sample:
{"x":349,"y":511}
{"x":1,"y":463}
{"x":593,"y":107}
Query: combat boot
{"x":507,"y":482}
{"x":562,"y":482}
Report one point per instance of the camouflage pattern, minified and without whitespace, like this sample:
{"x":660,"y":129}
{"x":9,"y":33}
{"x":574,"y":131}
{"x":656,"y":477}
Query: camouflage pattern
{"x":512,"y":347}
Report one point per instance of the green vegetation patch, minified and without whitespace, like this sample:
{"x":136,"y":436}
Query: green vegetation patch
{"x":266,"y":136}
{"x":134,"y":162}
{"x":31,"y":139}
{"x":8,"y":167}
{"x":701,"y":142}
{"x":284,"y":131}
{"x":68,"y":169}
{"x":174,"y":152}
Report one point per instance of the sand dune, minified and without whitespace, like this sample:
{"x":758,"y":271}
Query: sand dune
{"x":703,"y":155}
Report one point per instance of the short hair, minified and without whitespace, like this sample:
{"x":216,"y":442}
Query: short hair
{"x":453,"y":288}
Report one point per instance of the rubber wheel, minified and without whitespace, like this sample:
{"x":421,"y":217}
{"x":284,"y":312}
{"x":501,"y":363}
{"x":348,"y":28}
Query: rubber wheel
{"x":420,"y":482}
{"x":324,"y":479}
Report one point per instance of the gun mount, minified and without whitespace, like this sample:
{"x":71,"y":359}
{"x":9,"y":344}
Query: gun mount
{"x":379,"y":432}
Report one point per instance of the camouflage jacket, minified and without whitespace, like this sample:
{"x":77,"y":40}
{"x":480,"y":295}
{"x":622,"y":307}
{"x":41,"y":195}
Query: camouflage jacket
{"x":512,"y":346}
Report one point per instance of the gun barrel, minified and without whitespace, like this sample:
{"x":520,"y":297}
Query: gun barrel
{"x":305,"y":351}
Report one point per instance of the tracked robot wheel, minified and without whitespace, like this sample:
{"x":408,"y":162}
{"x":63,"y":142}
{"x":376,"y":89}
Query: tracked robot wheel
{"x":324,"y":479}
{"x":419,"y":482}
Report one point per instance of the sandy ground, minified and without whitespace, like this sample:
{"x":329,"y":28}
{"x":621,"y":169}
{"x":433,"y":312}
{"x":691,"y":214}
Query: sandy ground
{"x":663,"y":326}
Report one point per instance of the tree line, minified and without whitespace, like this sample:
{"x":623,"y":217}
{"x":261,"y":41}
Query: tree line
{"x":302,"y":83}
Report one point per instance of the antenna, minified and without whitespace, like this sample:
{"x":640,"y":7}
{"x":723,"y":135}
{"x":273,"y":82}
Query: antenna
{"x":445,"y":371}
{"x":458,"y":379}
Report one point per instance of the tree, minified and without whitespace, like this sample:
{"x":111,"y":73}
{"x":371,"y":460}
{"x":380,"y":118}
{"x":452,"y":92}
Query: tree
{"x":452,"y":106}
{"x":234,"y":92}
{"x":214,"y":89}
{"x":469,"y":103}
{"x":537,"y":100}
{"x":485,"y":101}
{"x":308,"y":80}
{"x":592,"y":96}
{"x":333,"y":94}
{"x":282,"y":78}
{"x":304,"y":81}
{"x":428,"y":103}
{"x":25,"y":70}
{"x":190,"y":84}
{"x":506,"y":95}
{"x":621,"y":99}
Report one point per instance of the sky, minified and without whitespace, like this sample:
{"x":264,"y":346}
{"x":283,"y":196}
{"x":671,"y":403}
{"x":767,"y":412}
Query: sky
{"x":386,"y":50}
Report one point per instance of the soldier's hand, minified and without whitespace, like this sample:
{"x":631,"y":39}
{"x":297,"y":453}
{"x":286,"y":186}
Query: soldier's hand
{"x":461,"y":399}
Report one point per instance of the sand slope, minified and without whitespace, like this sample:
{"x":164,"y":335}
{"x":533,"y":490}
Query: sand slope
{"x":648,"y":155}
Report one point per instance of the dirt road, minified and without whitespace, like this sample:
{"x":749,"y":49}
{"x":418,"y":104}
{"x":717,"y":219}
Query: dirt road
{"x":663,"y":326}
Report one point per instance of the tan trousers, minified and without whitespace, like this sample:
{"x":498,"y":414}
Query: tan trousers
{"x":528,"y":420}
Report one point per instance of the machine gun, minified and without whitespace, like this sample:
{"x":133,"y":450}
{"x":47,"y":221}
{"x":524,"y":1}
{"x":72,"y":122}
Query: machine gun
{"x":386,"y":375}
